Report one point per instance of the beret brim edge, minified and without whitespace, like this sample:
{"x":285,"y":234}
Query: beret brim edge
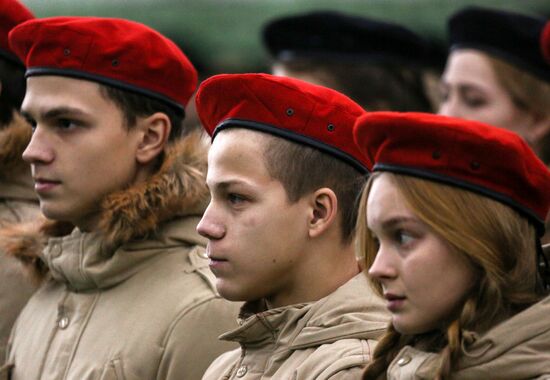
{"x":429,"y":175}
{"x":38,"y":71}
{"x":292,"y":136}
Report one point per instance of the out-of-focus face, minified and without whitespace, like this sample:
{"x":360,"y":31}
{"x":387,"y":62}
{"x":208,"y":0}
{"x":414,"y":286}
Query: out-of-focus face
{"x":281,"y":70}
{"x":423,"y":280}
{"x":256,"y":237}
{"x":80,"y":150}
{"x":470,"y":90}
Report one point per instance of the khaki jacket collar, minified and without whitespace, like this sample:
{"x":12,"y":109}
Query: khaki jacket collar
{"x":349,"y":312}
{"x":83,"y":261}
{"x":518,"y":348}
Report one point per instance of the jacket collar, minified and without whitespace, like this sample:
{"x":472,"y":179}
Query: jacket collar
{"x":352,"y":311}
{"x":176,"y":191}
{"x":518,"y":348}
{"x":83,"y":261}
{"x":15,"y":175}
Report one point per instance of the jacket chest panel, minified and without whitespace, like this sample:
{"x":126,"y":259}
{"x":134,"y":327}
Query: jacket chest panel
{"x":72,"y":316}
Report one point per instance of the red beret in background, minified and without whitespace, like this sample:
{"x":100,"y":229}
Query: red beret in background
{"x":478,"y":157}
{"x":289,"y":108}
{"x":12,"y":13}
{"x":116,"y":52}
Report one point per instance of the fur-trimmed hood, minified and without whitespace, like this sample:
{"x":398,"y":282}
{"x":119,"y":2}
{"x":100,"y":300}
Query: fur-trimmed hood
{"x":14,"y":138}
{"x":177,"y":189}
{"x":15,"y":174}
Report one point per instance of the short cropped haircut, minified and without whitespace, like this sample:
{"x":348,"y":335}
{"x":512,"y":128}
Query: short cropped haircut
{"x":134,"y":105}
{"x":303,"y":170}
{"x":12,"y":78}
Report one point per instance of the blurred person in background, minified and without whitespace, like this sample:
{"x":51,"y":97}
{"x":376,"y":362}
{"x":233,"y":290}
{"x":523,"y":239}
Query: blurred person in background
{"x":380,"y":65}
{"x":126,"y":292}
{"x":18,"y":201}
{"x":449,"y":227}
{"x":497,"y":73}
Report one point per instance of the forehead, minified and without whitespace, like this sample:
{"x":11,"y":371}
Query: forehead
{"x":469,"y":64}
{"x":385,"y":201}
{"x":237,"y":151}
{"x":50,"y":91}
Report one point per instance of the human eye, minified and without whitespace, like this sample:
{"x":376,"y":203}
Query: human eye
{"x":235,"y":199}
{"x":475,"y":102}
{"x":66,"y":124}
{"x":474,"y":99}
{"x":403,"y":238}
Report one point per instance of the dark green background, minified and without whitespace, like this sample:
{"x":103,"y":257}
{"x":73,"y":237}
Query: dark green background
{"x":224,"y":35}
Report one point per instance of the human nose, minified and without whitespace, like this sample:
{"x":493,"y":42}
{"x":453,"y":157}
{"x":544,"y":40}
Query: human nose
{"x":211,"y":226}
{"x":383,"y":267}
{"x":38,"y":150}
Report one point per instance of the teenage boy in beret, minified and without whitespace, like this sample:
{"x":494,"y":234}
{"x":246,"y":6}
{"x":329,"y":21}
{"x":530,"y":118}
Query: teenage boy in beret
{"x":284,"y":177}
{"x":126,"y":290}
{"x":18,"y":201}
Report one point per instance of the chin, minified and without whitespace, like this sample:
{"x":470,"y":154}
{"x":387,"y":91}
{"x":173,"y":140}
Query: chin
{"x":405,"y":328}
{"x":51,"y":213}
{"x":56,"y":214}
{"x":231,"y":293}
{"x":228,"y":293}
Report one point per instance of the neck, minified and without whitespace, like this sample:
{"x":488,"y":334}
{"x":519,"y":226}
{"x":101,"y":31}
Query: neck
{"x":323,"y":270}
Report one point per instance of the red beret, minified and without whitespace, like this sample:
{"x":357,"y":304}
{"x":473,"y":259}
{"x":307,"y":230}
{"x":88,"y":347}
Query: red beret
{"x":12,"y":13}
{"x":478,"y":157}
{"x":545,"y":42}
{"x":289,"y":108}
{"x":115,"y":52}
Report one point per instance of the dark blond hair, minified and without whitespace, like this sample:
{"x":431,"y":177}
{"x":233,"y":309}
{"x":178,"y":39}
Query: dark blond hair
{"x":497,"y":241}
{"x":528,"y":93}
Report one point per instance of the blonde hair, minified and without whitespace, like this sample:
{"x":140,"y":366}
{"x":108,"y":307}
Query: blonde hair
{"x":498,"y":242}
{"x":528,"y":93}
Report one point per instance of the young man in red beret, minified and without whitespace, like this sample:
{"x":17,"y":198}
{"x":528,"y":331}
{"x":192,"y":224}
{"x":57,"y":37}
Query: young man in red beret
{"x":126,"y":291}
{"x":284,"y":176}
{"x":18,"y":201}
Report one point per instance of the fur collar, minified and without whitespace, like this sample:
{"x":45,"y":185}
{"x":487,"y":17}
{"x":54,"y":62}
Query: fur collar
{"x":178,"y":188}
{"x":14,"y":138}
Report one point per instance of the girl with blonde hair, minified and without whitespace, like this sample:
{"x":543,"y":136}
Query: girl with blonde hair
{"x":449,"y":228}
{"x":498,"y":72}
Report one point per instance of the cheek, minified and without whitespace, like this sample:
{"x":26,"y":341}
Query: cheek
{"x":439,"y":291}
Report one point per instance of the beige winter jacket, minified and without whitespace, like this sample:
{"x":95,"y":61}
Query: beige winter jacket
{"x":133,"y":300}
{"x":518,"y":348}
{"x":18,"y":203}
{"x":332,"y":338}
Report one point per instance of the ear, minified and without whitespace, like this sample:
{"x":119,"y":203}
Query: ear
{"x":155,"y":130}
{"x":324,"y":210}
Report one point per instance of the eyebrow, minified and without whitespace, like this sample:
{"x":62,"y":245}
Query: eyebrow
{"x":56,"y":112}
{"x":223,"y":185}
{"x":392,"y":222}
{"x":471,"y":87}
